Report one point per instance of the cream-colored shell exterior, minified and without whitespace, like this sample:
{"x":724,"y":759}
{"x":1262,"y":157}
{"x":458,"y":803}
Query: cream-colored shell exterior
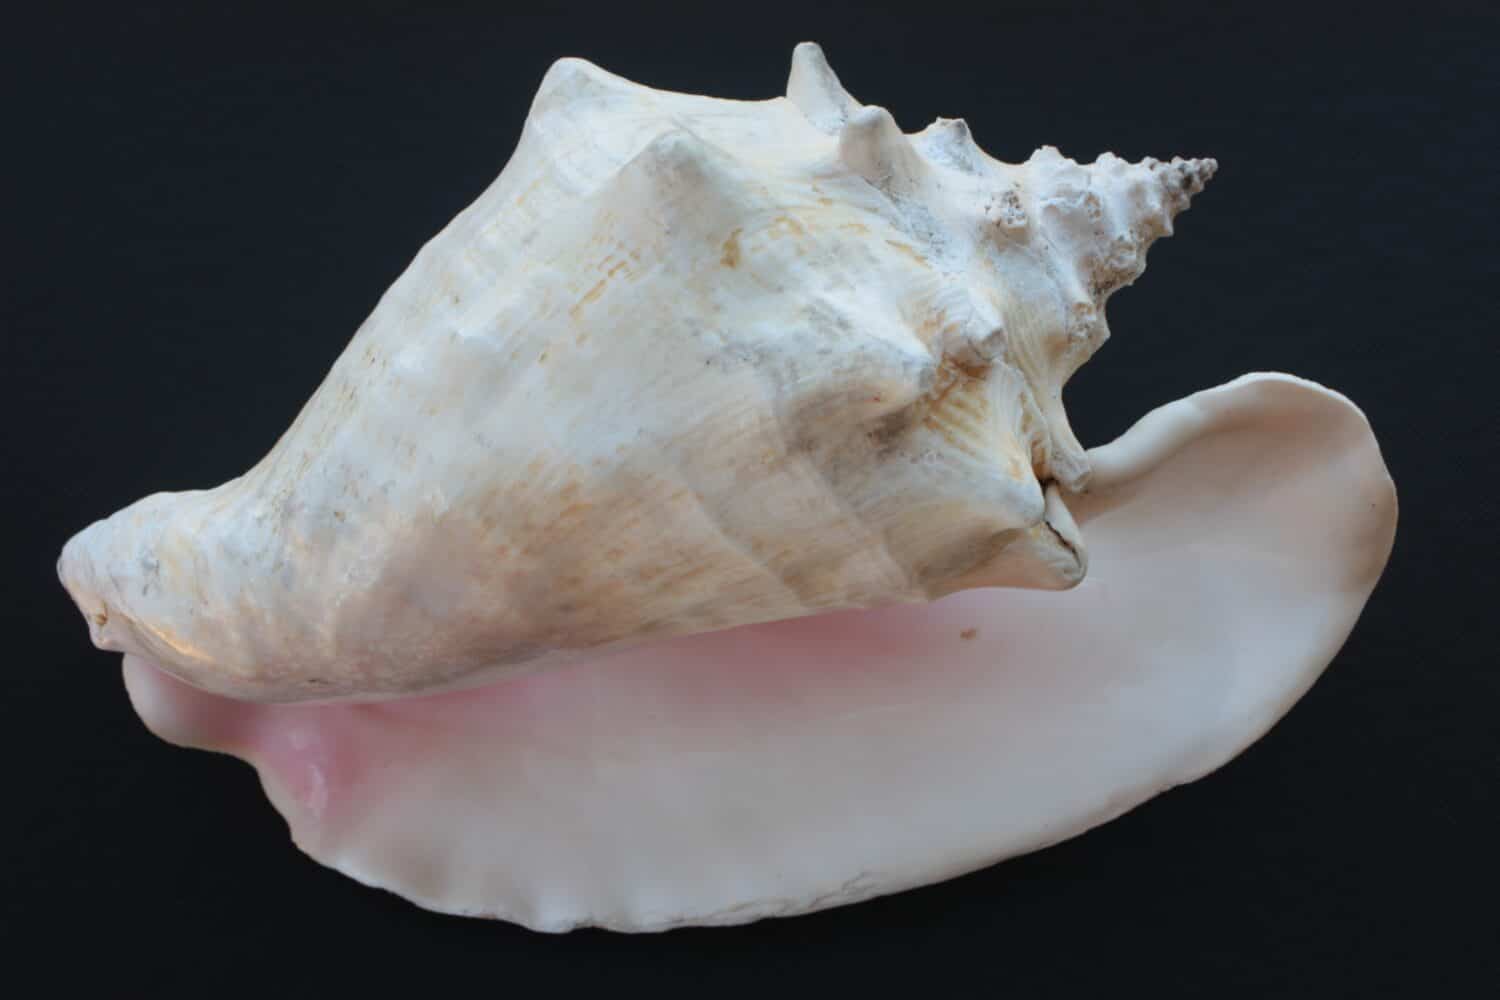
{"x":687,"y":364}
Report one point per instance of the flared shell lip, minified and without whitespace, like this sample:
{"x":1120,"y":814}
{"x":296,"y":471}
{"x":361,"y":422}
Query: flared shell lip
{"x":219,"y":724}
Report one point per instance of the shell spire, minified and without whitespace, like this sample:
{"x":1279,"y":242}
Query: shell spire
{"x":1106,"y":214}
{"x":1095,"y":223}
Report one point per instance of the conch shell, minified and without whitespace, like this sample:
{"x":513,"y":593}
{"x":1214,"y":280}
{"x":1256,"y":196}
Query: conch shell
{"x":692,"y":364}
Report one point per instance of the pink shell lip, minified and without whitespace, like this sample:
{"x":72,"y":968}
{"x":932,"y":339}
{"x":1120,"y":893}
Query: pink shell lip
{"x":820,"y":761}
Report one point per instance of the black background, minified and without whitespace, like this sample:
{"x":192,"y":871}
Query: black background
{"x":202,"y":205}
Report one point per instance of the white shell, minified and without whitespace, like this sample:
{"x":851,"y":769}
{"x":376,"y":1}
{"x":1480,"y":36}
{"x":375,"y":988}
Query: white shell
{"x":692,"y":364}
{"x":688,"y":364}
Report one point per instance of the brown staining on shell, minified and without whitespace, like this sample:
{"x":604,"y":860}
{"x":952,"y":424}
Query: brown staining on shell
{"x":958,"y":410}
{"x":785,"y":225}
{"x":731,"y":256}
{"x":593,"y":293}
{"x":599,"y":286}
{"x":910,"y":251}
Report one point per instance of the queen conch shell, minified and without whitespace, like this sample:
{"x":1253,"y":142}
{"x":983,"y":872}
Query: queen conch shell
{"x":694,"y":364}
